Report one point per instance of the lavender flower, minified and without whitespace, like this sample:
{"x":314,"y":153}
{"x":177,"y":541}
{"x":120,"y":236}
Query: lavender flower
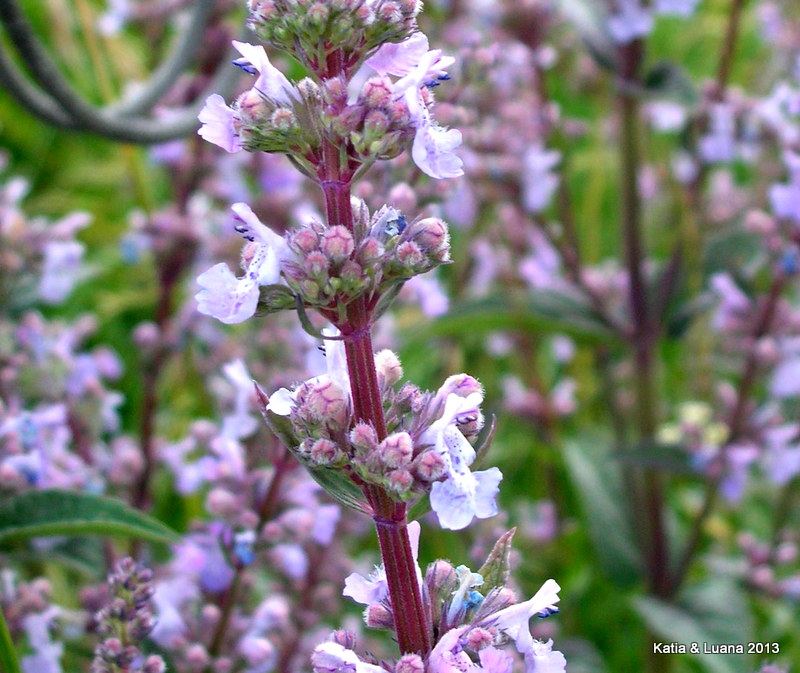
{"x":631,"y":21}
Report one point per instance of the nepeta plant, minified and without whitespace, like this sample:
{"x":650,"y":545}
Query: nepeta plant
{"x":375,"y":443}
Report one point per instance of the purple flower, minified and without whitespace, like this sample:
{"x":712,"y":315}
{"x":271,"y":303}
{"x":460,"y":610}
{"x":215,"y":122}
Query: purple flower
{"x":782,"y":455}
{"x":542,"y":658}
{"x":629,"y":22}
{"x":218,"y":124}
{"x":514,"y":620}
{"x":719,"y":144}
{"x":241,"y":423}
{"x":47,"y":653}
{"x":433,"y":147}
{"x":538,"y":179}
{"x":61,"y":270}
{"x":271,"y":82}
{"x":230,"y":299}
{"x":785,"y":198}
{"x":282,"y":400}
{"x":463,"y":495}
{"x":683,"y":8}
{"x":373,"y":589}
{"x":330,"y":657}
{"x":448,"y":656}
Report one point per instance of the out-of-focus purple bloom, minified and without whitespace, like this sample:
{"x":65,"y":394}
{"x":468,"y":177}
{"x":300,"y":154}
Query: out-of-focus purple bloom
{"x":217,"y":121}
{"x":666,"y":116}
{"x":539,"y":181}
{"x":169,"y":598}
{"x":683,"y":8}
{"x":785,"y":198}
{"x":61,"y":270}
{"x":738,"y":458}
{"x":241,"y":423}
{"x":782,"y":455}
{"x":719,"y":144}
{"x":291,"y":559}
{"x":113,"y":20}
{"x":733,"y":303}
{"x":432,"y":299}
{"x":630,"y":22}
{"x":46,"y":657}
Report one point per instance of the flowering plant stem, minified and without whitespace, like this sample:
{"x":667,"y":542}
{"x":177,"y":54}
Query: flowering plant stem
{"x":411,"y":621}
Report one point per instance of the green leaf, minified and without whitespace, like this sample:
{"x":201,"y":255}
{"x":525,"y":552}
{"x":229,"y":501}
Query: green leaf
{"x":54,"y":512}
{"x":497,"y":567}
{"x":667,"y":457}
{"x":339,"y":486}
{"x":715,"y":612}
{"x":547,"y":310}
{"x":9,"y":663}
{"x":667,"y":79}
{"x":598,"y":484}
{"x":590,"y":18}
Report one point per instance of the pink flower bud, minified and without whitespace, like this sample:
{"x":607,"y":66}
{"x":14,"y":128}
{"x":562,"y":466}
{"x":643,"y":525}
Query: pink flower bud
{"x":430,"y":234}
{"x":337,"y":243}
{"x":196,"y":656}
{"x":378,"y":616}
{"x":363,"y":438}
{"x":478,"y":639}
{"x":410,"y":255}
{"x":396,"y":450}
{"x":316,"y":263}
{"x":388,"y":366}
{"x":328,"y":403}
{"x":409,"y":663}
{"x":324,"y":452}
{"x":400,"y":481}
{"x":304,"y":240}
{"x":377,"y":93}
{"x":429,"y":466}
{"x":283,"y":119}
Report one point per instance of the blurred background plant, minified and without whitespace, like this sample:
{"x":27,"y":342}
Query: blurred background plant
{"x":624,"y":286}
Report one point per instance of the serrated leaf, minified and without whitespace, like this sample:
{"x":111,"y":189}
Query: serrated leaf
{"x":9,"y":662}
{"x":55,"y":512}
{"x":714,"y":612}
{"x":598,"y":485}
{"x":497,"y":567}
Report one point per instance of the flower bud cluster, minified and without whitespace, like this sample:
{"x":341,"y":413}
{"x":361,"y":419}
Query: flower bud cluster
{"x":125,"y":621}
{"x":319,"y":31}
{"x":332,"y":266}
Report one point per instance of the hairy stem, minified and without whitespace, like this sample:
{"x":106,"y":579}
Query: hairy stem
{"x":410,"y":617}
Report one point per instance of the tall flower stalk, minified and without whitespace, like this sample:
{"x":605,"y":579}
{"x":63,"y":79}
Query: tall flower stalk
{"x":375,"y":443}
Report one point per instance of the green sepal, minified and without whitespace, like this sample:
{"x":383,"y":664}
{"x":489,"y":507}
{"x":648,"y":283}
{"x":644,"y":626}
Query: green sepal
{"x":496,"y":569}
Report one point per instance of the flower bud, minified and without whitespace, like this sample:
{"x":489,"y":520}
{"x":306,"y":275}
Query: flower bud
{"x":431,"y":235}
{"x":409,"y":663}
{"x":478,"y":639}
{"x":429,"y":466}
{"x":378,"y":616}
{"x":396,"y":450}
{"x":222,"y":503}
{"x":316,"y":264}
{"x":363,"y":438}
{"x":346,"y":639}
{"x":337,"y":243}
{"x":388,"y":367}
{"x":304,"y":240}
{"x":377,"y":93}
{"x":462,"y":385}
{"x":400,"y":482}
{"x":324,"y":452}
{"x":326,"y":403}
